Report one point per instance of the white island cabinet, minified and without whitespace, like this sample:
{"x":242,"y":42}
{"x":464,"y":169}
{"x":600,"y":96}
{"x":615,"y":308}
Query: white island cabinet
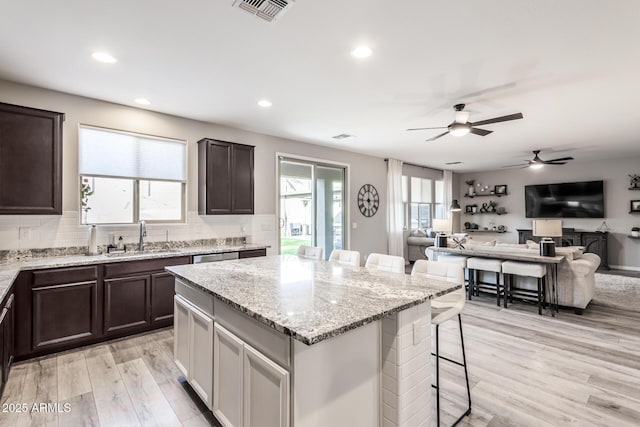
{"x":283,"y":341}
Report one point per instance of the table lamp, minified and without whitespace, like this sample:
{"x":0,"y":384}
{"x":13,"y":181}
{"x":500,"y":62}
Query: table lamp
{"x":547,"y":228}
{"x":441,"y":227}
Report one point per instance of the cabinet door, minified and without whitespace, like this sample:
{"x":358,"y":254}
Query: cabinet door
{"x":253,"y":253}
{"x":64,"y":313}
{"x":227,"y":377}
{"x":30,"y":161}
{"x":266,"y":391}
{"x":218,"y":177}
{"x":181,"y":335}
{"x":201,"y":354}
{"x":7,"y":346}
{"x":3,"y":345}
{"x":162,"y":292}
{"x":242,"y":180}
{"x":126,"y":303}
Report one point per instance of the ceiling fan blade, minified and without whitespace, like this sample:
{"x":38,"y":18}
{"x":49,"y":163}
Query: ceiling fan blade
{"x":481,"y":132}
{"x":436,"y":137}
{"x":561,"y":159}
{"x":516,"y":166}
{"x":555,"y":163}
{"x":498,"y":119}
{"x":440,"y":127}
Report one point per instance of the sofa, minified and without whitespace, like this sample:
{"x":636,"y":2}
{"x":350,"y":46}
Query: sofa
{"x":417,"y":242}
{"x":576,"y":273}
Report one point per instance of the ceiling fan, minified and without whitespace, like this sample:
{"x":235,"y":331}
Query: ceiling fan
{"x":537,"y":162}
{"x":461,"y":126}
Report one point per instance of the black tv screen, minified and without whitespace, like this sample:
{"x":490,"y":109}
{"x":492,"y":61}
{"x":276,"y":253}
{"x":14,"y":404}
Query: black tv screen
{"x":570,"y":200}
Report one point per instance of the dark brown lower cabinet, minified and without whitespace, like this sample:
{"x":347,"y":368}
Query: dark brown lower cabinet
{"x":64,"y":313}
{"x":6,"y":338}
{"x":253,"y":253}
{"x":126,"y":303}
{"x":162,"y":292}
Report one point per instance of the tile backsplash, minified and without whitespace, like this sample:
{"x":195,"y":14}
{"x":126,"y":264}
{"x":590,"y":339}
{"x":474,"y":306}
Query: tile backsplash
{"x":48,"y":231}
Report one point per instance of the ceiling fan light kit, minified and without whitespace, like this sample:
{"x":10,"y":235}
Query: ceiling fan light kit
{"x":461,"y":126}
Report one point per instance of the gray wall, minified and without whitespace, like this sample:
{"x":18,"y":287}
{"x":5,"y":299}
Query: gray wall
{"x":623,"y":251}
{"x":369,"y":236}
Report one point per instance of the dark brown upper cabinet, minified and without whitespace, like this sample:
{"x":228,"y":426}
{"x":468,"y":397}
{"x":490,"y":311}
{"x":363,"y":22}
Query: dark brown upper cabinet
{"x":225,"y":178}
{"x":30,"y":161}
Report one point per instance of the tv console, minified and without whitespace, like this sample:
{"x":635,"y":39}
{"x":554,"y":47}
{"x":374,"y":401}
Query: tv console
{"x":595,"y":242}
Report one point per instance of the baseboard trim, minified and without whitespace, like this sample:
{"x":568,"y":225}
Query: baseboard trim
{"x":624,"y":267}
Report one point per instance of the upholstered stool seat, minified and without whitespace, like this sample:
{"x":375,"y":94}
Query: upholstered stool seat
{"x":345,"y":257}
{"x":477,"y":264}
{"x":524,"y":269}
{"x":382,"y":262}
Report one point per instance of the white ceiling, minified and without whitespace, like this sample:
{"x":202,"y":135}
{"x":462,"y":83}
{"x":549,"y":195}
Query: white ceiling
{"x":572,"y":67}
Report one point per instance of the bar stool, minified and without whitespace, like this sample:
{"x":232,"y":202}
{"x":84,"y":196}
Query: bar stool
{"x":475,"y":265}
{"x":310,"y":252}
{"x":344,"y":257}
{"x":382,"y":262}
{"x":524,"y":269}
{"x":442,"y":309}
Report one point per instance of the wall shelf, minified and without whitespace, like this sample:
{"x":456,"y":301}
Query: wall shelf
{"x":472,"y":230}
{"x":471,"y":196}
{"x":634,"y":212}
{"x":486,"y":213}
{"x":634,"y":188}
{"x":633,"y":237}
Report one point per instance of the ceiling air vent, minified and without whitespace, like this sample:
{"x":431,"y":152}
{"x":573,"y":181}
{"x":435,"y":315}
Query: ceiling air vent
{"x":265,"y":9}
{"x":343,"y":136}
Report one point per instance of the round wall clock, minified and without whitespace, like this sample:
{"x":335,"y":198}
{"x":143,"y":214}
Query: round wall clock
{"x":368,"y":200}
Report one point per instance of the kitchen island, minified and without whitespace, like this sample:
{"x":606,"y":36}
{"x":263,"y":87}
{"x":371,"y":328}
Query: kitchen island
{"x":287,"y":341}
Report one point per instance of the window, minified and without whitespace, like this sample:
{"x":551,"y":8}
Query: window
{"x":126,"y":177}
{"x":423,"y":199}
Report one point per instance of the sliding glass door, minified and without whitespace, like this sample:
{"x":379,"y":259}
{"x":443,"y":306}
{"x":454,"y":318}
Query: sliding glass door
{"x":311,"y":205}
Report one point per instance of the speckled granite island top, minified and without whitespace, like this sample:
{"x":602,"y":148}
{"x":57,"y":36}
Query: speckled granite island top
{"x":309,"y":300}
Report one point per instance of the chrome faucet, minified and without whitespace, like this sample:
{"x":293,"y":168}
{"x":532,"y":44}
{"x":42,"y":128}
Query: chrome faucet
{"x":143,"y":233}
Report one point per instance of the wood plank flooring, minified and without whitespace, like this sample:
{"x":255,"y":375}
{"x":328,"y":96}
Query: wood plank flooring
{"x":525,"y":370}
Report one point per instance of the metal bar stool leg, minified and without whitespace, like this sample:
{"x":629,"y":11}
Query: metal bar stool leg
{"x":437,"y":376}
{"x":507,"y":286}
{"x":466,"y":374}
{"x":540,"y":296}
{"x":498,"y":288}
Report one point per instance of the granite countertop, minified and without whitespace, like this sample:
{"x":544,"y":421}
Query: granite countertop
{"x":9,"y":270}
{"x":309,"y":300}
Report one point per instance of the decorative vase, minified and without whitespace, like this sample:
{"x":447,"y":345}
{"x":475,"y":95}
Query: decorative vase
{"x":471,"y":190}
{"x":85,"y":214}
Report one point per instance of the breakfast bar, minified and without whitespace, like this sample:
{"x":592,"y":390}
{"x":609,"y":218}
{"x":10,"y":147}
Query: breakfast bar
{"x":286,"y":341}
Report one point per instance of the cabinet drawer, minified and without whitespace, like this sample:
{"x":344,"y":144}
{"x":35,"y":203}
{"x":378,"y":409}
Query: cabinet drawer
{"x":129,"y":268}
{"x":253,"y":253}
{"x":64,"y":275}
{"x":272,"y":343}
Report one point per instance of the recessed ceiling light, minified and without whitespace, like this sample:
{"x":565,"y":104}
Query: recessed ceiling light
{"x":104,"y":57}
{"x":361,"y":52}
{"x":142,"y":101}
{"x":264,"y":103}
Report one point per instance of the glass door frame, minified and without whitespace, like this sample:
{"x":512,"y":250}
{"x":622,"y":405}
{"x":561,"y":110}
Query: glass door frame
{"x":314,"y":162}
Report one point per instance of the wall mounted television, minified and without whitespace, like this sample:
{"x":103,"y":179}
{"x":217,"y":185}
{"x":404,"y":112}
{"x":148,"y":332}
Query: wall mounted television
{"x":568,"y":200}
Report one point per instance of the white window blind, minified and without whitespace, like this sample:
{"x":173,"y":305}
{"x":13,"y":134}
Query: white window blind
{"x":125,"y":155}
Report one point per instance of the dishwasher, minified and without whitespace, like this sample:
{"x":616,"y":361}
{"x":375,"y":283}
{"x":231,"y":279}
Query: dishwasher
{"x":199,"y":259}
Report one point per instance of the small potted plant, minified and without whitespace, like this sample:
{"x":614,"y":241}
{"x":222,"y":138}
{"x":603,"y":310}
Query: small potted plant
{"x":635,"y":231}
{"x":85,"y":192}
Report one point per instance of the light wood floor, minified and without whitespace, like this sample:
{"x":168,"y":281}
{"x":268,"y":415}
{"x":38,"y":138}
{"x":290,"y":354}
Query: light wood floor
{"x":525,"y":369}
